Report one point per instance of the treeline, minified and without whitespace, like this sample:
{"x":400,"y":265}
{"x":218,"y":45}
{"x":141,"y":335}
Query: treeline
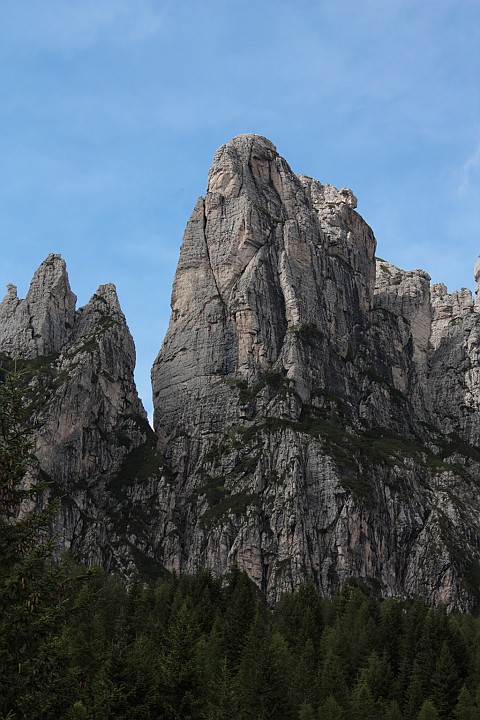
{"x":78,"y":645}
{"x":192,"y":647}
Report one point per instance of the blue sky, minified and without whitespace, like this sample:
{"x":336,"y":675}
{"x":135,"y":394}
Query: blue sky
{"x":111,"y":111}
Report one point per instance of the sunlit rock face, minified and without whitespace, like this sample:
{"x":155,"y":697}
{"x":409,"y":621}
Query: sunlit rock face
{"x":316,"y":408}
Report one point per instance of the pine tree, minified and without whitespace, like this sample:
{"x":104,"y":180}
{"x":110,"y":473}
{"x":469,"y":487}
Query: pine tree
{"x":78,"y":711}
{"x":215,"y":675}
{"x":331,"y":710}
{"x":263,"y":676}
{"x":466,"y":708}
{"x":389,"y":631}
{"x":445,"y":683}
{"x":332,"y":679}
{"x":306,"y":712}
{"x":379,"y":677}
{"x":392,"y":711}
{"x":362,"y":704}
{"x":180,"y":670}
{"x":304,"y":675}
{"x":240,"y":612}
{"x":428,"y":711}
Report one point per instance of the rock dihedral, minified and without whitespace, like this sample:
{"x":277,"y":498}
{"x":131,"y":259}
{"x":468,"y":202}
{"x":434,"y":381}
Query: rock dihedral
{"x":317,"y":409}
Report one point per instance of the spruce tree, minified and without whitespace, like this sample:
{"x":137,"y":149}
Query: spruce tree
{"x":331,"y":710}
{"x":392,"y":711}
{"x":362,"y":703}
{"x":180,"y":676}
{"x":428,"y":711}
{"x":466,"y":707}
{"x":306,"y":712}
{"x":445,"y":683}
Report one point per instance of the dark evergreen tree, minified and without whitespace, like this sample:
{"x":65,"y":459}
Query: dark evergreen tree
{"x":332,"y":679}
{"x":389,"y":631}
{"x":241,"y":602}
{"x":331,"y":710}
{"x":304,"y":675}
{"x":306,"y":711}
{"x":392,"y":711}
{"x":466,"y":707}
{"x":180,"y":675}
{"x":445,"y":683}
{"x":428,"y":711}
{"x":379,"y":678}
{"x":362,"y":703}
{"x":33,"y":590}
{"x":262,"y":683}
{"x":215,"y":674}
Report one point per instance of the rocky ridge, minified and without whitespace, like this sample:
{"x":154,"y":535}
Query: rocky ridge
{"x":78,"y":367}
{"x":316,"y":408}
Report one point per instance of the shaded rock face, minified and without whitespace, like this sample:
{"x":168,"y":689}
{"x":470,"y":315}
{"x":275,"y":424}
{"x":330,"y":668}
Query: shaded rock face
{"x":78,"y":368}
{"x":318,"y":408}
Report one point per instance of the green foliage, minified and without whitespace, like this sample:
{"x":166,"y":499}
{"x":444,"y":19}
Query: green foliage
{"x":308,"y":333}
{"x":466,"y":707}
{"x":193,"y":647}
{"x":428,"y":711}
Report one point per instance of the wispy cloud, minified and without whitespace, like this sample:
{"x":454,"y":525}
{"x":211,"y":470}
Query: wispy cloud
{"x":68,"y":27}
{"x":470,"y":169}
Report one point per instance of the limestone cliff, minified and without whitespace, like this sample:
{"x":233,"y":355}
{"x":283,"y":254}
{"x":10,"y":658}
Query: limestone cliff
{"x":319,"y":410}
{"x":78,"y":370}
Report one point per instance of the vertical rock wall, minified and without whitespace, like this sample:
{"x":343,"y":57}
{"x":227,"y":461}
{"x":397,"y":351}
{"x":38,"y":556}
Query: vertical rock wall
{"x":304,"y":395}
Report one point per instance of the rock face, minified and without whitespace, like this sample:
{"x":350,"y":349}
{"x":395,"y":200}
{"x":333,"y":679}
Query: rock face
{"x":40,"y":324}
{"x":317,"y":409}
{"x":78,"y":367}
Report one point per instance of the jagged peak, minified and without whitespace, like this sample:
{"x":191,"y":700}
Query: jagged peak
{"x":104,"y":303}
{"x":244,"y":164}
{"x":107,"y":293}
{"x":39,"y":324}
{"x":51,"y":273}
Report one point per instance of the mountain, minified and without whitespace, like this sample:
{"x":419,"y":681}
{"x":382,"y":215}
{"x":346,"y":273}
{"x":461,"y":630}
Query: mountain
{"x":78,"y":368}
{"x":317,"y":409}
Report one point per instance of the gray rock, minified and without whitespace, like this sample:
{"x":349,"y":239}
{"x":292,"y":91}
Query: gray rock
{"x":316,"y":409}
{"x":306,"y":396}
{"x":79,"y":369}
{"x":40,"y":324}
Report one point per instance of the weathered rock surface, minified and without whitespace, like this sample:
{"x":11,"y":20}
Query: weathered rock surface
{"x":78,"y":367}
{"x":316,"y":408}
{"x":40,"y":324}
